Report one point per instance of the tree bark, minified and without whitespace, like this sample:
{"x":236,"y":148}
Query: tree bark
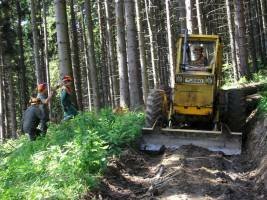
{"x":258,"y":31}
{"x":232,"y":41}
{"x":46,"y":59}
{"x":251,"y":32}
{"x":241,"y":51}
{"x":91,"y":56}
{"x":75,"y":57}
{"x":121,"y":55}
{"x":199,"y":17}
{"x":170,"y":45}
{"x":132,"y":54}
{"x":36,"y":45}
{"x":264,"y":18}
{"x":11,"y":99}
{"x":152,"y":48}
{"x":86,"y":60}
{"x":111,"y":54}
{"x":7,"y":129}
{"x":142,"y":52}
{"x":262,"y":31}
{"x":2,"y":135}
{"x":189,"y":20}
{"x":21,"y":64}
{"x":63,"y":42}
{"x":103,"y":57}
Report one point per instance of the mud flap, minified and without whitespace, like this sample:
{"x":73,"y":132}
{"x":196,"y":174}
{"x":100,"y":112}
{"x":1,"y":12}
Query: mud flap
{"x":154,"y":140}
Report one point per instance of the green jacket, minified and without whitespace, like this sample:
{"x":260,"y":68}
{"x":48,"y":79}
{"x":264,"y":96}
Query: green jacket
{"x":68,"y":108}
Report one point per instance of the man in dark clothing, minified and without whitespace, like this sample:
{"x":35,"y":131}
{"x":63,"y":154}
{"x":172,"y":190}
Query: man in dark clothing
{"x":45,"y":99}
{"x":31,"y":119}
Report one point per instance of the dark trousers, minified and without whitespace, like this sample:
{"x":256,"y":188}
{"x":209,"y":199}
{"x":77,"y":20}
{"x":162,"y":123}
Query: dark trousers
{"x":44,"y":126}
{"x":33,"y":134}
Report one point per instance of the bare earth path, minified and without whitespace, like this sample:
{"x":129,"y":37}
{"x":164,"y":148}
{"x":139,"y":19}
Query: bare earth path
{"x":190,"y":173}
{"x":187,"y":173}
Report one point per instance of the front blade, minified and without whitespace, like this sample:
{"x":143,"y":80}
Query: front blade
{"x":153,"y":139}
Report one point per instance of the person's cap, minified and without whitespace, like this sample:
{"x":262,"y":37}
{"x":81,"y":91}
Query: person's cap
{"x":67,"y":78}
{"x":34,"y":101}
{"x":41,"y":87}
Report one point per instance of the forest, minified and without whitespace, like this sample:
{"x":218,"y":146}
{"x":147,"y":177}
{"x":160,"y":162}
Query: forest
{"x":116,"y":52}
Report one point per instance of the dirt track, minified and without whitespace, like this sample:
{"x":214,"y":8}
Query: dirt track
{"x":188,"y":173}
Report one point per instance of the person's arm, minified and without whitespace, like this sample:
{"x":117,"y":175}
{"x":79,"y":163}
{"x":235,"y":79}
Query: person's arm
{"x":48,"y":99}
{"x":205,"y":61}
{"x":41,"y":116}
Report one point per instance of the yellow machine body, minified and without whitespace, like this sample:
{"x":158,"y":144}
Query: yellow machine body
{"x":188,"y":115}
{"x":194,"y":90}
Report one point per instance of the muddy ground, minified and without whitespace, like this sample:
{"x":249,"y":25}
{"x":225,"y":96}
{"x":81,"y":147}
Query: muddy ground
{"x":190,"y":173}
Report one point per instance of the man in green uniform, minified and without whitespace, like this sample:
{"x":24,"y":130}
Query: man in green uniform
{"x":65,"y":97}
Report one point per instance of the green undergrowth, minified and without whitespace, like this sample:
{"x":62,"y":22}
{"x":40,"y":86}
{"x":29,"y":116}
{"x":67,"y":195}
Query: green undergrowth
{"x":69,"y":160}
{"x":263,"y":103}
{"x":259,"y":77}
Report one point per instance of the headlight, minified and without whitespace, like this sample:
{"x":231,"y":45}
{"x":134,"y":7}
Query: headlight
{"x":209,"y":80}
{"x":179,"y":79}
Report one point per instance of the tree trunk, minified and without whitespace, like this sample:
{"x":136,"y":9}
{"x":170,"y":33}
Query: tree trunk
{"x":132,"y":54}
{"x":11,"y":98}
{"x":21,"y":64}
{"x":41,"y":39}
{"x":86,"y":60}
{"x":262,"y":32}
{"x":241,"y":51}
{"x":121,"y":55}
{"x":252,"y":48}
{"x":36,"y":45}
{"x":103,"y":59}
{"x":46,"y":56}
{"x":189,"y":20}
{"x":75,"y":58}
{"x":141,"y":41}
{"x":170,"y":45}
{"x":111,"y":54}
{"x":63,"y":42}
{"x":232,"y":41}
{"x":152,"y":48}
{"x":264,"y":18}
{"x":91,"y":52}
{"x":258,"y":31}
{"x":161,"y":41}
{"x":7,"y":129}
{"x":1,"y":92}
{"x":199,"y":17}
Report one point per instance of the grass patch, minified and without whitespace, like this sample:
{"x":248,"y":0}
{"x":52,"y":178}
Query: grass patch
{"x":260,"y":77}
{"x":263,"y":103}
{"x":69,"y":160}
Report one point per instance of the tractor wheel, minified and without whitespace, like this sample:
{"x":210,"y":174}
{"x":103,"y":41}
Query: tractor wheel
{"x":236,"y":114}
{"x":154,"y":109}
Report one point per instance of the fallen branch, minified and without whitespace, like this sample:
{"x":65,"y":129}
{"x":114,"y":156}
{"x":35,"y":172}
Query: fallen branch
{"x":158,"y":183}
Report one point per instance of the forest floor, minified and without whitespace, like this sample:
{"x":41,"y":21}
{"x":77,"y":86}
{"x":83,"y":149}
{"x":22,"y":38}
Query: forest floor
{"x":190,"y":172}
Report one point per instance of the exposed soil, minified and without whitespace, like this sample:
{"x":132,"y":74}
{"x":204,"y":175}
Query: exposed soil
{"x":190,"y":173}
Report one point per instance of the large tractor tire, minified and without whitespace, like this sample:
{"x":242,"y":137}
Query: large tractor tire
{"x":155,"y":109}
{"x":236,"y":112}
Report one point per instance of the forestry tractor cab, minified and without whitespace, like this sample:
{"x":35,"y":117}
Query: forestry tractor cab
{"x":196,"y":111}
